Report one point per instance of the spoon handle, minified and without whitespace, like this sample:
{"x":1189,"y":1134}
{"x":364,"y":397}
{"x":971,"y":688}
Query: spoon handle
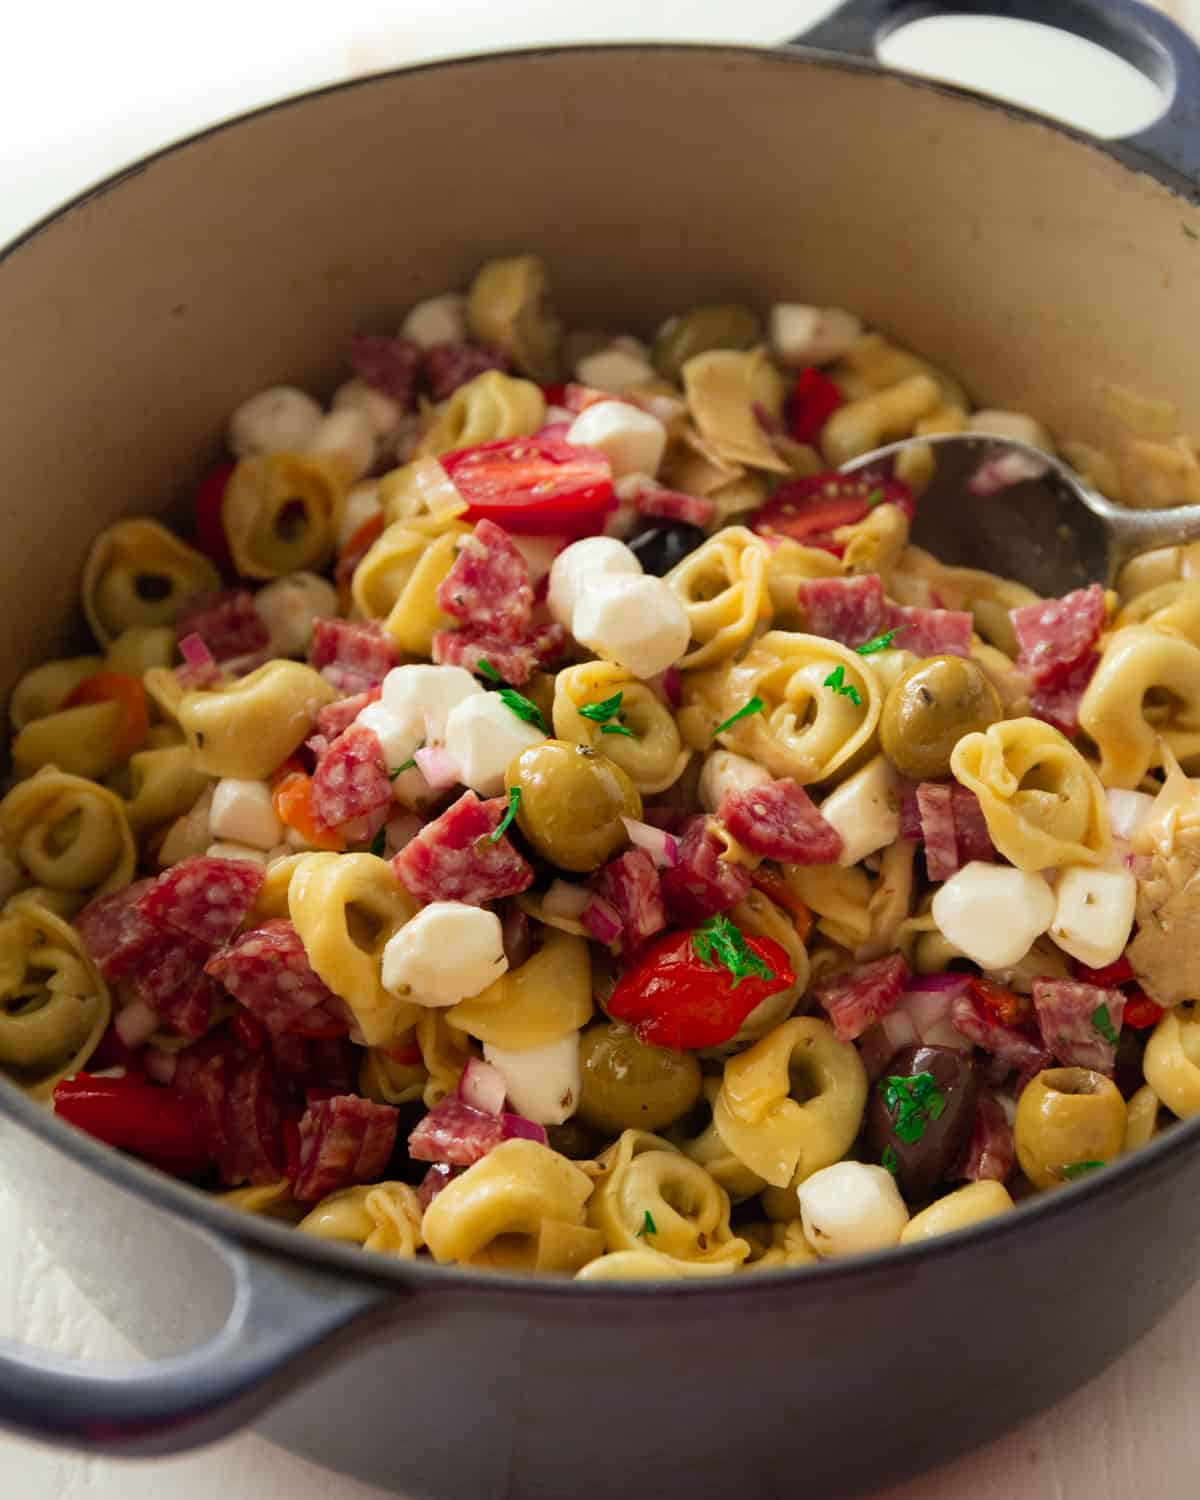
{"x":1131,"y":532}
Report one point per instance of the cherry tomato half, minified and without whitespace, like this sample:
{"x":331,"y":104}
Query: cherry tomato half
{"x":1141,"y":1012}
{"x":534,"y":485}
{"x":127,"y":692}
{"x":811,"y":510}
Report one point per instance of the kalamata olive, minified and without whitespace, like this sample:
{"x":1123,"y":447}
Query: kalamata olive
{"x":930,"y":708}
{"x":920,"y":1115}
{"x":659,"y":548}
{"x":1069,"y":1121}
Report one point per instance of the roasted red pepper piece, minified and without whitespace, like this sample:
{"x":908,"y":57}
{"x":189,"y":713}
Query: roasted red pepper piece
{"x":151,"y":1121}
{"x":812,"y":401}
{"x":210,"y":531}
{"x":1140,"y":1011}
{"x":534,"y":485}
{"x":1117,"y":973}
{"x":811,"y":510}
{"x":1005,"y":1006}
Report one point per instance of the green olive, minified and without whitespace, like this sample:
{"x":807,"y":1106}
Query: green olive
{"x":727,"y":326}
{"x":572,"y":802}
{"x":1068,"y":1118}
{"x":929,"y":709}
{"x":629,"y":1086}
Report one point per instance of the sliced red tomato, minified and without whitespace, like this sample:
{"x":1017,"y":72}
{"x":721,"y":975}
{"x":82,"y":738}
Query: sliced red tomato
{"x":534,"y":486}
{"x":210,"y":532}
{"x":1118,"y":972}
{"x":1140,"y":1011}
{"x":811,"y":510}
{"x":127,"y":692}
{"x":356,"y":548}
{"x":811,"y":402}
{"x":674,"y":997}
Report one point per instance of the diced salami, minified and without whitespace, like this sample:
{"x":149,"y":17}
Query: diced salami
{"x":631,"y":886}
{"x":1014,"y":1049}
{"x":267,"y":971}
{"x":114,"y":933}
{"x":910,"y":812}
{"x":252,"y":1147}
{"x":387,"y":364}
{"x":850,"y":610}
{"x":488,"y":585}
{"x":929,"y":632}
{"x":227,"y":623}
{"x":354,"y":655}
{"x":1059,"y":705}
{"x":671,"y":505}
{"x":515,"y":661}
{"x":343,"y":1141}
{"x":1056,"y":635}
{"x":953,"y":828}
{"x":455,"y":1133}
{"x":350,"y":786}
{"x":444,"y":367}
{"x":453,"y":858}
{"x":336,"y":718}
{"x":990,"y":1150}
{"x":970,"y":826}
{"x":201,"y":898}
{"x":302,"y":1063}
{"x":438,"y":1176}
{"x":856,"y":998}
{"x":202,"y":1074}
{"x":779,"y":820}
{"x":702,"y":883}
{"x":174,"y":984}
{"x":1079,"y":1023}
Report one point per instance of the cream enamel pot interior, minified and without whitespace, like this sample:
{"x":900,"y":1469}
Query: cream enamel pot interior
{"x":1022,"y":256}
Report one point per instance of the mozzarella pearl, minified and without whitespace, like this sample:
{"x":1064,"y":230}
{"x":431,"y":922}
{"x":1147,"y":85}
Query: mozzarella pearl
{"x":724,"y":772}
{"x":448,"y":952}
{"x":802,"y":335}
{"x":243,"y":812}
{"x":483,"y":735}
{"x":422,"y":696}
{"x":347,"y":437}
{"x":633,"y":441}
{"x":280,"y":419}
{"x":577,"y":565}
{"x":993,"y":913}
{"x":542,"y":1083}
{"x":289,"y":606}
{"x":1093,"y":914}
{"x":437,"y":320}
{"x":381,"y":412}
{"x":640,"y":623}
{"x":865,"y":810}
{"x":613,"y":369}
{"x":397,"y":736}
{"x":851,"y":1208}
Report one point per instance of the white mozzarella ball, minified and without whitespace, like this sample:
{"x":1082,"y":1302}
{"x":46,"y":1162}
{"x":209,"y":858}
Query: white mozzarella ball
{"x":362,"y":503}
{"x":422,"y":696}
{"x":437,"y":320}
{"x":577,"y":565}
{"x":448,"y":952}
{"x":1011,"y":424}
{"x":1093,"y":914}
{"x":640,"y":623}
{"x":243,"y":812}
{"x":346,"y":436}
{"x":288,"y":607}
{"x":483,"y":735}
{"x":381,"y":412}
{"x":851,"y":1208}
{"x":539,"y":553}
{"x":803,"y":335}
{"x":542,"y":1083}
{"x":993,"y":913}
{"x":226,"y":849}
{"x":633,"y":441}
{"x":398,"y":737}
{"x":614,"y":369}
{"x":724,"y":772}
{"x":865,"y":810}
{"x":280,"y":419}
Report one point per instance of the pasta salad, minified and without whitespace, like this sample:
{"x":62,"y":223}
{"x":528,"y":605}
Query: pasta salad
{"x":545,"y":817}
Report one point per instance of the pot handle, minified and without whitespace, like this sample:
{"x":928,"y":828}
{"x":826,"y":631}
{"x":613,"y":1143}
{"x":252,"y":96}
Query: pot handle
{"x":1144,"y":37}
{"x":284,"y":1324}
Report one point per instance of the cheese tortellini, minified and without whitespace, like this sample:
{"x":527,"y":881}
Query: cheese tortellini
{"x":70,"y":833}
{"x":546,"y":998}
{"x":486,"y":409}
{"x":1145,"y":694}
{"x":723,"y":587}
{"x":139,"y":573}
{"x":248,"y":728}
{"x":281,"y":512}
{"x":382,"y":1216}
{"x":397,"y":582}
{"x":652,"y":754}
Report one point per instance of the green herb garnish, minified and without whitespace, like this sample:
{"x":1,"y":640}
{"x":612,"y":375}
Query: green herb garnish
{"x":524,"y":708}
{"x":837,"y":681}
{"x":379,"y":843}
{"x":1080,"y":1169}
{"x":487,"y":670}
{"x":406,"y":766}
{"x":875,"y":497}
{"x":648,"y":1226}
{"x":754,"y":706}
{"x":1103,"y":1022}
{"x":599,"y":712}
{"x":514,"y":801}
{"x":720,"y":941}
{"x":616,"y":729}
{"x":913,"y":1102}
{"x":878,"y":643}
{"x":889,"y":1160}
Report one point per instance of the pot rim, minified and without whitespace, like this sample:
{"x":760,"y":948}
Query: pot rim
{"x":228,"y":1224}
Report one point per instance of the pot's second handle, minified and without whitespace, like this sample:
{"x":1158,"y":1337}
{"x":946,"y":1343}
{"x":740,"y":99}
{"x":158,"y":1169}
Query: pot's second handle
{"x":1145,"y":37}
{"x":285,"y":1322}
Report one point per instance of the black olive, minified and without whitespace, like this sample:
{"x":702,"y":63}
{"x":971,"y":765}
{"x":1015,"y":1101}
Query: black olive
{"x":920,"y":1116}
{"x":659,"y":548}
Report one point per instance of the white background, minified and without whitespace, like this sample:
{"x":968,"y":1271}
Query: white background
{"x":87,"y":87}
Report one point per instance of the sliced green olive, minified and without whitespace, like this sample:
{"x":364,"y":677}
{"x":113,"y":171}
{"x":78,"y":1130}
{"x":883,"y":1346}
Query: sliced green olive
{"x":572,"y":803}
{"x":930,"y":708}
{"x":726,"y":326}
{"x":629,"y":1086}
{"x":1069,"y":1121}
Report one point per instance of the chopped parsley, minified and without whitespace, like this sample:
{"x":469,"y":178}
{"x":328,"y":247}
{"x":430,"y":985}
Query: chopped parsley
{"x":720,"y":941}
{"x":877,"y":643}
{"x":837,"y":681}
{"x":1103,"y":1022}
{"x":524,"y":708}
{"x":648,"y":1226}
{"x":599,"y":712}
{"x":913,"y":1103}
{"x":487,"y":670}
{"x":379,"y":843}
{"x":616,"y":729}
{"x":890,"y":1161}
{"x":875,"y":497}
{"x":514,"y":801}
{"x":1080,"y":1169}
{"x":754,"y":706}
{"x":406,"y":766}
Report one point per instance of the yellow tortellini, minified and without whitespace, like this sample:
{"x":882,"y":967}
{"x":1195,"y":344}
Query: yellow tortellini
{"x":54,"y":1005}
{"x":793,"y":1102}
{"x":808,"y":726}
{"x":839,"y":896}
{"x":163,"y":785}
{"x":709,"y":1150}
{"x":723,"y":587}
{"x":922,"y":580}
{"x":508,"y":308}
{"x":444,"y":1055}
{"x":652,"y":754}
{"x":70,"y":833}
{"x":881,"y":417}
{"x":776,"y":1246}
{"x":1145,"y":694}
{"x":422,"y":495}
{"x":45,"y":689}
{"x":484,"y":410}
{"x":139,"y":573}
{"x":397,"y":582}
{"x":1172,"y":1061}
{"x":345,"y":908}
{"x":273,"y":1200}
{"x":81,"y":740}
{"x":546,"y":998}
{"x":788,"y":565}
{"x":248,"y":728}
{"x":723,"y":387}
{"x":1043,"y":804}
{"x":141,"y":647}
{"x":281,"y":512}
{"x":651,"y":1265}
{"x":382,"y":1216}
{"x":388,"y":1081}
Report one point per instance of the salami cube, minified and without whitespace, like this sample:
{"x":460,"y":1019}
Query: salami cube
{"x":779,"y":820}
{"x":1056,"y":635}
{"x":454,"y":859}
{"x":970,"y":826}
{"x":267,"y":971}
{"x":990,"y":1150}
{"x":227,"y":623}
{"x":670,"y":505}
{"x":1013,"y":1049}
{"x":631,"y":886}
{"x":438,"y":1176}
{"x":114,"y":933}
{"x":488,"y":585}
{"x":856,"y":998}
{"x":702,"y":883}
{"x":203,"y":899}
{"x":336,"y":718}
{"x":953,"y":827}
{"x":456,"y":1134}
{"x":1059,"y":704}
{"x":910,"y":812}
{"x":1080,"y":1023}
{"x":514,"y":661}
{"x":444,"y":367}
{"x":202,"y":1073}
{"x":930,"y":632}
{"x":174,"y":985}
{"x":351,"y":784}
{"x":387,"y":364}
{"x":305,"y":1062}
{"x":850,"y":610}
{"x":343,"y":1141}
{"x":353,"y":655}
{"x":252,"y":1147}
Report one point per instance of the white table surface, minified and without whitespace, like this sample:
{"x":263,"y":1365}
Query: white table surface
{"x":85,"y":88}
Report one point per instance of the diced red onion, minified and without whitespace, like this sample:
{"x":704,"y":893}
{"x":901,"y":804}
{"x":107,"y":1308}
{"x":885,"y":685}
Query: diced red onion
{"x":483,"y":1087}
{"x":438,"y":766}
{"x":925,"y":1008}
{"x":661,"y":846}
{"x":899,"y":1030}
{"x":1126,"y":811}
{"x":601,"y":920}
{"x":566,"y":900}
{"x":1012,"y":467}
{"x":160,"y":1064}
{"x":517,"y":1127}
{"x":939,"y":984}
{"x":136,"y":1024}
{"x":199,"y":664}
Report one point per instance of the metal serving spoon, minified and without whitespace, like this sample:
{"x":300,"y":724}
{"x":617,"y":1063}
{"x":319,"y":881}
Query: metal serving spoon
{"x":1052,"y":532}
